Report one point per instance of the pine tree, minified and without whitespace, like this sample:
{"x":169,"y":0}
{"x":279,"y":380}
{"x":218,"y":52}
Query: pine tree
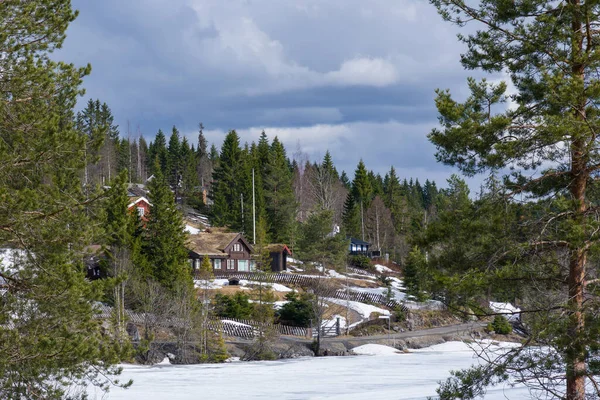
{"x":203,"y":157}
{"x":549,"y":51}
{"x":120,"y":226}
{"x":163,"y":244}
{"x":362,"y":192}
{"x":351,"y":217}
{"x":345,"y":180}
{"x":189,"y":175}
{"x":279,"y":195}
{"x":96,"y":122}
{"x":226,"y":209}
{"x":49,"y":332}
{"x":414,"y":274}
{"x":263,"y":154}
{"x":258,"y":183}
{"x":174,"y":159}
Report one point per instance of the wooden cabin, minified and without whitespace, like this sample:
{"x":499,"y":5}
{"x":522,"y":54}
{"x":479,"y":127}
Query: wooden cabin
{"x":140,"y":205}
{"x":227,"y":252}
{"x":359,"y":247}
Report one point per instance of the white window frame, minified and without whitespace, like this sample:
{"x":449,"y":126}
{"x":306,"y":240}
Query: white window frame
{"x":230,"y":264}
{"x":141,"y":211}
{"x":217,"y":263}
{"x":246,"y":266}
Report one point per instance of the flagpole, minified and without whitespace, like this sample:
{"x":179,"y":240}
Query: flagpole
{"x":253,"y":211}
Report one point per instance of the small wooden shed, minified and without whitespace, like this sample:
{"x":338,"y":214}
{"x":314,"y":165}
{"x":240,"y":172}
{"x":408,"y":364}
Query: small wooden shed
{"x":278,"y":253}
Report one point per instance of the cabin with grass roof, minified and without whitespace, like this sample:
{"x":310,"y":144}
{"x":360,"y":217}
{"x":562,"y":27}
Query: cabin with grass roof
{"x":227,"y":252}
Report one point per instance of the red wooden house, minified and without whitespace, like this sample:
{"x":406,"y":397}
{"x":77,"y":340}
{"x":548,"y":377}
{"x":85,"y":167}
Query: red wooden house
{"x":140,"y":205}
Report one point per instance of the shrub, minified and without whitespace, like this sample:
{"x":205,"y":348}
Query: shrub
{"x":398,"y":314}
{"x":361,"y":261}
{"x":500,"y":325}
{"x":299,"y":310}
{"x":235,"y":306}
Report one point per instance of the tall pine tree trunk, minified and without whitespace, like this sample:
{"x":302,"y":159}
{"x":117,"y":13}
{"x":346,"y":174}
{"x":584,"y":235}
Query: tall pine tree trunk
{"x":576,"y":365}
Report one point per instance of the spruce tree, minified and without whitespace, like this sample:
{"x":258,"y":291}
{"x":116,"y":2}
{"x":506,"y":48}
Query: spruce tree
{"x":203,"y":158}
{"x":163,"y":243}
{"x":351,"y":217}
{"x":362,"y":192}
{"x":279,"y":195}
{"x":263,"y":153}
{"x":345,"y":180}
{"x":174,"y":159}
{"x":119,"y":230}
{"x":549,"y":52}
{"x":227,"y":178}
{"x":158,"y":152}
{"x":49,"y":332}
{"x":414,"y":274}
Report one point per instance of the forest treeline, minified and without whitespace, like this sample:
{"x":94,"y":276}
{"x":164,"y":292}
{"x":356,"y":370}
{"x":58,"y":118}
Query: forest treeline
{"x":387,"y":211}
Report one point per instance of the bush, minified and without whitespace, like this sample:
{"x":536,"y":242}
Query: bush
{"x":398,"y":314}
{"x":500,"y":325}
{"x":235,"y":306}
{"x":299,"y":310}
{"x":362,"y":262}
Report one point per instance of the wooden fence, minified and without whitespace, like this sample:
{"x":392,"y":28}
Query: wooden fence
{"x":229,"y":327}
{"x":247,"y":328}
{"x":299,"y":280}
{"x":362,"y":297}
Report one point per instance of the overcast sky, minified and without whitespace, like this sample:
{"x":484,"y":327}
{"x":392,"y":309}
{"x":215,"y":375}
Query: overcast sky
{"x":352,"y":76}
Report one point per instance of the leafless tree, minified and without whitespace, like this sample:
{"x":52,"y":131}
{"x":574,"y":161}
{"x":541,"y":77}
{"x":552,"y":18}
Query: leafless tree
{"x":379,"y":227}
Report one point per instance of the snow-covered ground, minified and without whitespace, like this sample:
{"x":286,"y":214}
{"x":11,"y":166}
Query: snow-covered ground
{"x":372,"y":349}
{"x":243,"y":283}
{"x":363,"y":309}
{"x":191,"y":230}
{"x":383,"y":269}
{"x":412,"y":376}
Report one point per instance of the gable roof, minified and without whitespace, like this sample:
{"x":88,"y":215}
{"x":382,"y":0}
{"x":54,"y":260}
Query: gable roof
{"x":136,"y":191}
{"x":278,"y":248}
{"x":215,"y":243}
{"x":134,"y":200}
{"x":358,"y":241}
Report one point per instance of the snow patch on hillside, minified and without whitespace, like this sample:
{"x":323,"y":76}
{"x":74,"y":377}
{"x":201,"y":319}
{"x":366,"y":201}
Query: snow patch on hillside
{"x":382,"y":268}
{"x":191,"y":230}
{"x":227,"y":321}
{"x":365,"y":310}
{"x":243,"y":284}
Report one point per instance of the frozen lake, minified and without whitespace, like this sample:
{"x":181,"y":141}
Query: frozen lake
{"x":398,"y":376}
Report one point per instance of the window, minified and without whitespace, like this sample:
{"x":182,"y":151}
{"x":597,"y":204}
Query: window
{"x":230,"y":264}
{"x":237,"y":247}
{"x":242,"y":265}
{"x":141,"y":211}
{"x":252,"y":265}
{"x":217,"y":263}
